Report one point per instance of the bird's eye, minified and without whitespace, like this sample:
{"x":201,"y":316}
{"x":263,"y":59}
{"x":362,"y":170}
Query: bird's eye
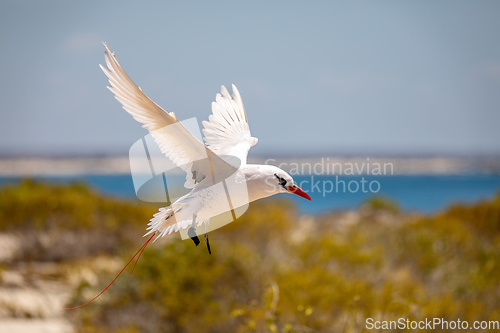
{"x":281,"y":180}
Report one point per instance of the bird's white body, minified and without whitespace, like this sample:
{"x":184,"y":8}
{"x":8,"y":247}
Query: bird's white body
{"x":212,"y":170}
{"x":208,"y":201}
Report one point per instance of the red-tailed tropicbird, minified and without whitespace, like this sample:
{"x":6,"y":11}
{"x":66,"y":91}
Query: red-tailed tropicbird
{"x":223,"y":157}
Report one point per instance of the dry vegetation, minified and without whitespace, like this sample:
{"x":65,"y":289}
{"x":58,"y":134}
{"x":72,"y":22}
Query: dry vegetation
{"x":270,"y":271}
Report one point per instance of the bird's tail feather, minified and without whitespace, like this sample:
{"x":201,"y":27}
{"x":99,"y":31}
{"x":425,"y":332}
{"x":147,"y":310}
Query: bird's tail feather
{"x":166,"y":221}
{"x":139,"y":252}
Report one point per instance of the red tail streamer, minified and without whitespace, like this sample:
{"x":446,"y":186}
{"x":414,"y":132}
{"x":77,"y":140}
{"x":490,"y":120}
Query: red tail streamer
{"x":109,"y":285}
{"x":140,"y":254}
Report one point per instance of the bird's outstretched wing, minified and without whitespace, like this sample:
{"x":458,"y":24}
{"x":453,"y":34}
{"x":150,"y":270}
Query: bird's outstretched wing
{"x":227,"y":132}
{"x":200,"y":163}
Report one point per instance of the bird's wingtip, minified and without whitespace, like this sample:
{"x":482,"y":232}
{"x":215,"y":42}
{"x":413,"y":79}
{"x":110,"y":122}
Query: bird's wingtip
{"x":107,"y":48}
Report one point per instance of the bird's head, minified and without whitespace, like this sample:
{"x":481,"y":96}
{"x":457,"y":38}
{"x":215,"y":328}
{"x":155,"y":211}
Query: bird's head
{"x":285,"y":183}
{"x":266,"y":180}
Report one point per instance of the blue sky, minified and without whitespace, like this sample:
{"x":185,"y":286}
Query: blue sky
{"x":350,"y":77}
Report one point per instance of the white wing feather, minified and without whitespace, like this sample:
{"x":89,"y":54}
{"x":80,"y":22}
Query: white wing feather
{"x":227,"y":132}
{"x":174,"y":140}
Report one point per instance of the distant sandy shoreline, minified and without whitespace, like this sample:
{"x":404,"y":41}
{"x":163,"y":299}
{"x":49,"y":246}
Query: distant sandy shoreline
{"x":37,"y":166}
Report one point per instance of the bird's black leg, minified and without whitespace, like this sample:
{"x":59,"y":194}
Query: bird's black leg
{"x":206,"y":237}
{"x":208,"y":243}
{"x":192,"y":232}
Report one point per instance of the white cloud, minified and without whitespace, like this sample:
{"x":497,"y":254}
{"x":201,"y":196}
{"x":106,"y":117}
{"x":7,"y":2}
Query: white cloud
{"x":81,"y":43}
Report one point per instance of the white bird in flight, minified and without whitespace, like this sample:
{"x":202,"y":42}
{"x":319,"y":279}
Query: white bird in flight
{"x":223,"y":157}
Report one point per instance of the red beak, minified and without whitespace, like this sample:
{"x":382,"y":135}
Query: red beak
{"x":297,"y":190}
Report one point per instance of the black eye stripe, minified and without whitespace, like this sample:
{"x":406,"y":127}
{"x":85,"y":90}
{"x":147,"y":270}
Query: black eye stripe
{"x":281,"y":180}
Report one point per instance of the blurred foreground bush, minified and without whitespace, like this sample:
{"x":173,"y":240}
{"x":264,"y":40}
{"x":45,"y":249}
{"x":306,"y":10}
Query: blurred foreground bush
{"x":274,"y":271}
{"x":63,"y":222}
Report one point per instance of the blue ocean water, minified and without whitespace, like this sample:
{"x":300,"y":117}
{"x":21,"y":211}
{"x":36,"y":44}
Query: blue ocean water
{"x":423,"y":193}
